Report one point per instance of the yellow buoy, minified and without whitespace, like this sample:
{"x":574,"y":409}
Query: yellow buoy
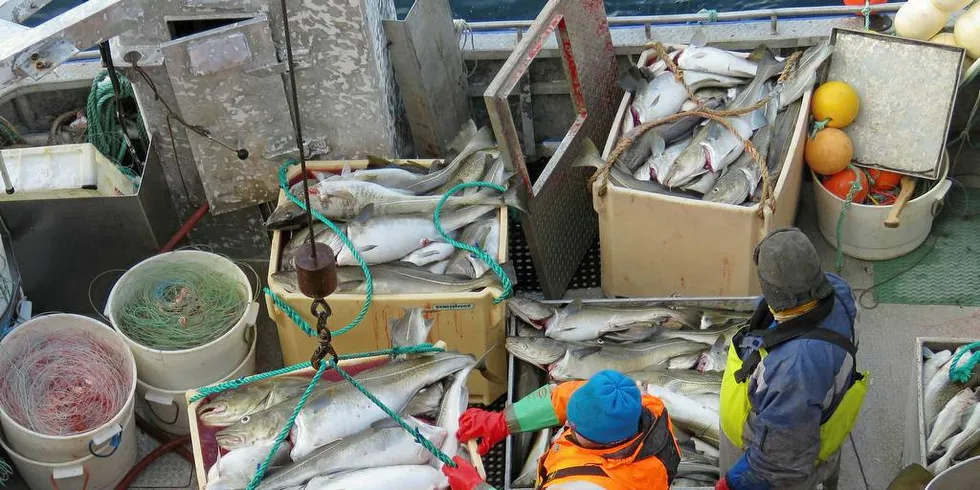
{"x":836,"y":101}
{"x":950,"y":6}
{"x":967,"y":32}
{"x":920,"y":19}
{"x":828,"y":152}
{"x":946,"y":38}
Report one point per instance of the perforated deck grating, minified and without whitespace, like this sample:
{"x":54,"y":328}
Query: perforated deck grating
{"x":588,"y":274}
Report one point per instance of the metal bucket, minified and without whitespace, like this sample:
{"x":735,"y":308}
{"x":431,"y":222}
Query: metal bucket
{"x":201,"y":365}
{"x":960,"y":477}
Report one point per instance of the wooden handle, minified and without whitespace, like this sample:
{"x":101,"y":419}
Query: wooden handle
{"x":908,"y":187}
{"x":471,"y":446}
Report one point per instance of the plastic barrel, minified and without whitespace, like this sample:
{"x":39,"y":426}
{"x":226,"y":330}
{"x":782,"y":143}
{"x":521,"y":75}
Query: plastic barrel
{"x":36,"y":447}
{"x":963,"y":476}
{"x":199,"y":366}
{"x":864,"y":233}
{"x":88,"y":473}
{"x":167,"y":409}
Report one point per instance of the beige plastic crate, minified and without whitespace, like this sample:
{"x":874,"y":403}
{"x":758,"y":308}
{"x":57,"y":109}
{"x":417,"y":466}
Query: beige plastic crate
{"x":657,"y":245}
{"x":467,"y":322}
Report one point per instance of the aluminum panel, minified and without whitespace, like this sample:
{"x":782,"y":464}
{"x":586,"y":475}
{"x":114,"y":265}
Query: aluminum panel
{"x":905,"y":110}
{"x":241,"y":102}
{"x":561,"y":225}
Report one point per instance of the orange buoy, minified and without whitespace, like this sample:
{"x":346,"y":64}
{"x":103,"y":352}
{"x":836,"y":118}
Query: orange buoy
{"x":840,"y":184}
{"x":836,"y":102}
{"x":883,"y":180}
{"x":829,"y":151}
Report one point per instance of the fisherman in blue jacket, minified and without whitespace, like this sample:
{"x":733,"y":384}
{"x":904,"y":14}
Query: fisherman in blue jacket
{"x":791,"y":393}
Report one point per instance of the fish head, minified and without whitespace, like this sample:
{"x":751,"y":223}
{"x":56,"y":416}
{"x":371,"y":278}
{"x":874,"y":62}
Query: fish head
{"x":540,"y":351}
{"x":256,"y":428}
{"x":692,"y":162}
{"x":338,"y":202}
{"x":532,"y":312}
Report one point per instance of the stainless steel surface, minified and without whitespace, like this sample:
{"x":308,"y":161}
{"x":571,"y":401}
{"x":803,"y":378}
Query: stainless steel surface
{"x":560,"y":225}
{"x":429,"y":69}
{"x":224,"y":80}
{"x":62,"y":244}
{"x":905,"y":110}
{"x":18,"y":11}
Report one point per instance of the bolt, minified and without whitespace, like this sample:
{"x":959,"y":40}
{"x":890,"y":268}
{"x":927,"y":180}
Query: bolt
{"x":42,"y":65}
{"x":35,"y":56}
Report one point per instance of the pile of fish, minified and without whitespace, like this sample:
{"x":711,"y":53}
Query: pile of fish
{"x":341,"y":440}
{"x":677,"y":354}
{"x":701,"y":158}
{"x":387,"y":212}
{"x":952,"y":419}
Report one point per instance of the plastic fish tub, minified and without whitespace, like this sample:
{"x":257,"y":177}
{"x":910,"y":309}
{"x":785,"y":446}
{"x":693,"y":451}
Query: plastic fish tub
{"x":656,"y":245}
{"x":514,"y":457}
{"x":167,"y":409}
{"x":915,"y":435}
{"x":203,"y":442}
{"x":467,"y":322}
{"x":67,"y":169}
{"x":963,"y":476}
{"x":187,"y":368}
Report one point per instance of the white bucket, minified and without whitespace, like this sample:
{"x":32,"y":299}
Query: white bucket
{"x":167,"y":409}
{"x":35,"y":446}
{"x":199,"y":366}
{"x":963,"y":476}
{"x":89,"y":473}
{"x":864,"y":235}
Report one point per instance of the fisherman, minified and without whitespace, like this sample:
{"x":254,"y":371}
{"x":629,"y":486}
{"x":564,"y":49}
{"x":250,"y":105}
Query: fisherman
{"x":791,"y":393}
{"x":614,"y":437}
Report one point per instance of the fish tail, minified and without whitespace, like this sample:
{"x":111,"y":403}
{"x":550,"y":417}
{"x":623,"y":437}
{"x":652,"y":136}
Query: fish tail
{"x":589,"y":156}
{"x":515,"y":198}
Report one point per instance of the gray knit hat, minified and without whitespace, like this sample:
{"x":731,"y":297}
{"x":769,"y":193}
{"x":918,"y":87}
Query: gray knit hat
{"x":789,"y":270}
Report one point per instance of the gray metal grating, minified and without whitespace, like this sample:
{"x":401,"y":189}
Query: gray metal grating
{"x":588,"y":275}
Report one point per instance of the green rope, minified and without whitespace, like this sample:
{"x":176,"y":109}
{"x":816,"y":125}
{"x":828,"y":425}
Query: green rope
{"x":478,"y":253}
{"x":8,"y":134}
{"x":962,"y":374}
{"x":712,"y":14}
{"x":855,"y":187}
{"x":818,"y":126}
{"x":866,"y":12}
{"x":103,"y":127}
{"x":369,"y":292}
{"x":5,"y":471}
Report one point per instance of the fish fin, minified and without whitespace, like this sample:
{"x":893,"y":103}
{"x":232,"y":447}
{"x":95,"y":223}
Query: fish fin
{"x":630,"y":80}
{"x":365,"y":215}
{"x":436,"y":166}
{"x":700,"y":38}
{"x":573,"y":307}
{"x":378,"y":162}
{"x":720,"y":343}
{"x":466,"y":133}
{"x":589,"y":156}
{"x":346,"y":170}
{"x":415,"y":167}
{"x":759,"y":118}
{"x":514,"y":198}
{"x":766,"y":61}
{"x":366,"y":248}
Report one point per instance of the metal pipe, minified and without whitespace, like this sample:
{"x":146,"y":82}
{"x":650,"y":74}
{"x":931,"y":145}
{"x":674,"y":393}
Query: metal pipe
{"x":6,"y":178}
{"x":780,"y":13}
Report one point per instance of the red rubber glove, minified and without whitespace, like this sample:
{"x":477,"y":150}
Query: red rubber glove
{"x":463,"y":476}
{"x":489,"y":427}
{"x":721,"y":485}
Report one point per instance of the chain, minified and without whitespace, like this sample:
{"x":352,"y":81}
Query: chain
{"x":321,"y":310}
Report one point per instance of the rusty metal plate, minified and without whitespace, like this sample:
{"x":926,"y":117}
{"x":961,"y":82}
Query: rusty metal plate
{"x":907,"y":90}
{"x":227,"y":80}
{"x":560,"y":225}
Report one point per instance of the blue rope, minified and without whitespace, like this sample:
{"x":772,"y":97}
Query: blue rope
{"x":485,"y":257}
{"x":962,"y":374}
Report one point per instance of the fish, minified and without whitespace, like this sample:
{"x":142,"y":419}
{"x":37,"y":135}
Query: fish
{"x":438,"y":268}
{"x":779,"y":145}
{"x":532,"y":312}
{"x":739,"y":180}
{"x":968,"y":438}
{"x":472,"y":169}
{"x":256,"y":429}
{"x":412,"y":328}
{"x":699,"y":57}
{"x":579,"y":323}
{"x":584,"y":361}
{"x":426,"y":402}
{"x":684,"y":362}
{"x":372,"y":448}
{"x":342,"y":410}
{"x":497,"y":171}
{"x":321,"y":234}
{"x":948,"y":421}
{"x":589,"y":157}
{"x":710,"y":400}
{"x":476,"y":140}
{"x":646,"y":144}
{"x":805,"y":74}
{"x":429,"y":254}
{"x":387,"y":238}
{"x":661,"y":97}
{"x":941,"y":390}
{"x":396,"y":278}
{"x":933,"y":362}
{"x":657,"y":165}
{"x":454,"y":403}
{"x":229,"y":406}
{"x":710,"y":318}
{"x":539,"y":351}
{"x":703,"y":183}
{"x":286,"y":280}
{"x":529,"y":471}
{"x":235,"y":469}
{"x":680,"y":381}
{"x":633,"y":334}
{"x":716,"y":359}
{"x":490,"y":245}
{"x":402,"y":477}
{"x":392,"y":177}
{"x":689,"y":467}
{"x":692,"y":416}
{"x":698,"y":80}
{"x":714,"y":147}
{"x":472,"y":235}
{"x":284,"y":217}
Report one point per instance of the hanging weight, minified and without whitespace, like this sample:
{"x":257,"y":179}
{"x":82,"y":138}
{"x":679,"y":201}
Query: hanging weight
{"x":316,"y":274}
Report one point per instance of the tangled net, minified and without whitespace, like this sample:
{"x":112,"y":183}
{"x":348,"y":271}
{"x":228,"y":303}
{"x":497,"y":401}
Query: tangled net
{"x":64,"y":382}
{"x":179,"y":306}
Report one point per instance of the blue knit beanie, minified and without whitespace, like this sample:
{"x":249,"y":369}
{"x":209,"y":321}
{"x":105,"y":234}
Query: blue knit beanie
{"x":606,"y":409}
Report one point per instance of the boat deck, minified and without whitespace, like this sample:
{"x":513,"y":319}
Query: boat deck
{"x":887,"y":338}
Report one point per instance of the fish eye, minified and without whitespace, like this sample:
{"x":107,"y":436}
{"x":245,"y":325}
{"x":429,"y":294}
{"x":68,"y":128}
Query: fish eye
{"x":245,"y":419}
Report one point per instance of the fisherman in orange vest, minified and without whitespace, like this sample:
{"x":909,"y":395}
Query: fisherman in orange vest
{"x":613,"y":436}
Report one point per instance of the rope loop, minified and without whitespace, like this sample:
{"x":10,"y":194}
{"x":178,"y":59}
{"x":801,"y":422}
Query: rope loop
{"x":962,"y":374}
